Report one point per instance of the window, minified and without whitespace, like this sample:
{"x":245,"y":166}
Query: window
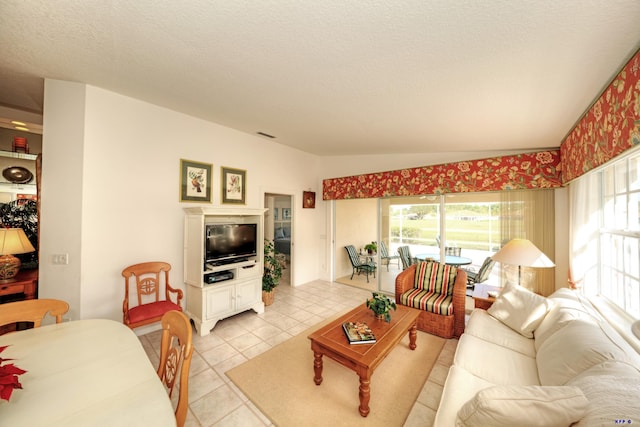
{"x":606,"y":233}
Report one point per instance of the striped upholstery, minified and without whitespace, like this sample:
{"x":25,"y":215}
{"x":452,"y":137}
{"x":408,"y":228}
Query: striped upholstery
{"x":435,"y":277}
{"x":433,"y":288}
{"x":428,"y":301}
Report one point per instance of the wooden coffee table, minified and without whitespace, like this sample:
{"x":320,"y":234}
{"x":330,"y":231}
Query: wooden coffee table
{"x":331,"y":341}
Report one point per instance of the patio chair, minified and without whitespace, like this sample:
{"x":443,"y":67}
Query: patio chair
{"x":451,"y":250}
{"x":405,"y":257}
{"x":358,"y":265}
{"x":384,"y":255}
{"x":482,"y":274}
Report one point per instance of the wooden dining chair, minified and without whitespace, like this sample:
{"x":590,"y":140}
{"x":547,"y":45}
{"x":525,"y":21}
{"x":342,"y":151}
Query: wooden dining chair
{"x":152,"y":293}
{"x":32,"y":310}
{"x":176,"y":349}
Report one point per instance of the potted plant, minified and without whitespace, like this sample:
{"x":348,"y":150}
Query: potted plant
{"x":381,"y":305}
{"x":371,"y":248}
{"x":271,"y":274}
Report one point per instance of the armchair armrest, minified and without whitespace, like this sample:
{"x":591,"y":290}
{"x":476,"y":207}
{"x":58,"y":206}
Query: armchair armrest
{"x":404,"y":281}
{"x":459,"y":301}
{"x":178,"y":293}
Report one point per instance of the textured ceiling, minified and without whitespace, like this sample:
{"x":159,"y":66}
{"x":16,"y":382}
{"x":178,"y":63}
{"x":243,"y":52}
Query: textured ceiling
{"x":333,"y":77}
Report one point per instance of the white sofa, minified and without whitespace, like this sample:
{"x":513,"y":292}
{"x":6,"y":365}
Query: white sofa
{"x":547,"y":361}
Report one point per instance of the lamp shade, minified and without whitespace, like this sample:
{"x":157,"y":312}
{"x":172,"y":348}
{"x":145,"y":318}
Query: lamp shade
{"x":523,"y":253}
{"x":14,"y":241}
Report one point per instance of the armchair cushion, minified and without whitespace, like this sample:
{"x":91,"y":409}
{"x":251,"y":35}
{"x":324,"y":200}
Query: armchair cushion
{"x":435,"y":277}
{"x":429,"y":301}
{"x":151,"y":310}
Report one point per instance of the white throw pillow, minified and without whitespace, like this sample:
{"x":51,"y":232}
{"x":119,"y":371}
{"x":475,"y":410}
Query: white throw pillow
{"x":524,"y":406}
{"x":520,"y":309}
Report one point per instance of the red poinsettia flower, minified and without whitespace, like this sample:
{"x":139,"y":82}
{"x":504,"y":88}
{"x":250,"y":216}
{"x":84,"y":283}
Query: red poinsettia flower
{"x":8,"y":377}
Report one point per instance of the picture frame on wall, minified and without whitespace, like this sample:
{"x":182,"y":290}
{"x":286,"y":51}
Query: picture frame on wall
{"x":308,"y":199}
{"x":275,"y":213}
{"x":234,"y":186}
{"x":195,"y":181}
{"x":286,"y":213}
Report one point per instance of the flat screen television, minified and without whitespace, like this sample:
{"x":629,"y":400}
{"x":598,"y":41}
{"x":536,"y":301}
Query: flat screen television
{"x":227,"y":243}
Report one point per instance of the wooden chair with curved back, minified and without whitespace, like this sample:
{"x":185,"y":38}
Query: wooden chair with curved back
{"x":152,"y":304}
{"x":176,"y":349}
{"x":32,"y":310}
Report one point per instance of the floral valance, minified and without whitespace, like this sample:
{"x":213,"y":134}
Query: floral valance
{"x":522,"y":171}
{"x":610,"y":126}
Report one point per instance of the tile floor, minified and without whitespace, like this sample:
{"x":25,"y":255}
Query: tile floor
{"x":213,"y":398}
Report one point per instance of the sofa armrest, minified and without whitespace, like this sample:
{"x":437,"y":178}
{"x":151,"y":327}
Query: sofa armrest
{"x":459,"y":302}
{"x":404,"y":281}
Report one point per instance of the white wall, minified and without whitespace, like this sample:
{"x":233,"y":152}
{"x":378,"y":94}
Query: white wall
{"x":110,"y":192}
{"x":61,"y":194}
{"x":356,"y":224}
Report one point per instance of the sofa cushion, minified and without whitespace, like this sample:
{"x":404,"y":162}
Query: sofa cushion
{"x":458,"y":389}
{"x":495,"y":363}
{"x":612,"y":389}
{"x":428,"y":301}
{"x":524,"y":406}
{"x":488,"y":328}
{"x":435,"y":277}
{"x":579,"y":346}
{"x":566,"y":309}
{"x":520,"y":309}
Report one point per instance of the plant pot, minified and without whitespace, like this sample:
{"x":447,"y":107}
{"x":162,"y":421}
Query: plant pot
{"x":378,"y":316}
{"x":267,"y":297}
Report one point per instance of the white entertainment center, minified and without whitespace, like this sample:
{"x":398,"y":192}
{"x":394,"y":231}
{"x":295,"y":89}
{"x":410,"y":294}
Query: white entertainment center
{"x":218,"y":290}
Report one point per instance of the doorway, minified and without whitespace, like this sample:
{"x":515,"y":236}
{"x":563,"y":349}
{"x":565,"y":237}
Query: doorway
{"x":278,"y":228}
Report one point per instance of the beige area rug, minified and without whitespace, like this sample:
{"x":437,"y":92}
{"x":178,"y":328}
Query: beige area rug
{"x":280,"y":383}
{"x":359,"y":281}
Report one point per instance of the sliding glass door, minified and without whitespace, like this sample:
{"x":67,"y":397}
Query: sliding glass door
{"x":470,"y":226}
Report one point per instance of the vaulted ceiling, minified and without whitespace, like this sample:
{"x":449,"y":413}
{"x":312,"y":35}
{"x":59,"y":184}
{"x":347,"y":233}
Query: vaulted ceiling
{"x":333,"y":77}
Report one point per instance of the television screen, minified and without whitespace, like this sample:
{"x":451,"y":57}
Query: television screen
{"x":228,"y":242}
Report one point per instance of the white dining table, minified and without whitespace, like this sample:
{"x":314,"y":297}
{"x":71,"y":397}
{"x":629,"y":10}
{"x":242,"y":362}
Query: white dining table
{"x":83,"y":373}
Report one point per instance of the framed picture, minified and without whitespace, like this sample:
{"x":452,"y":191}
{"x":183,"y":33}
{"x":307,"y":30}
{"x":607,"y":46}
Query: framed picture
{"x":286,"y":213}
{"x":195,"y":181}
{"x":234,"y":185}
{"x":308,"y":199}
{"x":275,"y":213}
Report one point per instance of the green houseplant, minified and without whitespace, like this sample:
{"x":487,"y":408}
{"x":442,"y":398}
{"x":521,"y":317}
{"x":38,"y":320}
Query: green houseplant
{"x":381,"y":305}
{"x":271,"y":274}
{"x":372,"y":247}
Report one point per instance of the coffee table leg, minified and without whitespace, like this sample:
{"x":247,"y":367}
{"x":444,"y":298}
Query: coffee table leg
{"x":365,"y":395}
{"x":317,"y":367}
{"x":413,"y":334}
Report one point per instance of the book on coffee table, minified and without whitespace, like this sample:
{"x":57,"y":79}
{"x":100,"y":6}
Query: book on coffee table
{"x":358,"y":333}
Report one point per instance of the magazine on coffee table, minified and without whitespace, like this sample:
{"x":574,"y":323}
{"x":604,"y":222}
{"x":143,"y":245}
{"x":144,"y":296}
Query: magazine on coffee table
{"x":358,"y":333}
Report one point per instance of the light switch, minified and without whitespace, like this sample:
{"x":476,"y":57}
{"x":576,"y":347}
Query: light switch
{"x":61,"y":259}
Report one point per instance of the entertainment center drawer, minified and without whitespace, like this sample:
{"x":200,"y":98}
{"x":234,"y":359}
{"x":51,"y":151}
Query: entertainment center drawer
{"x":252,"y":270}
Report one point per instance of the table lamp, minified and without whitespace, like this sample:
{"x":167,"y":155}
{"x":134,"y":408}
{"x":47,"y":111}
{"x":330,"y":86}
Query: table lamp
{"x":523,"y":253}
{"x":12,"y":241}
